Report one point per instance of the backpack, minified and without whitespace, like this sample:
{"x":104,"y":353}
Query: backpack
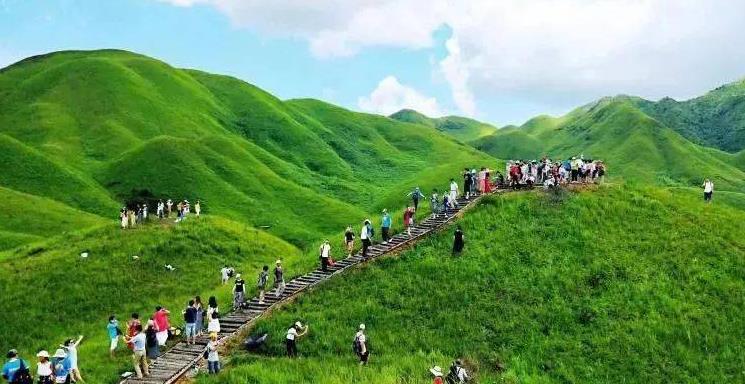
{"x":356,"y":345}
{"x":22,"y":375}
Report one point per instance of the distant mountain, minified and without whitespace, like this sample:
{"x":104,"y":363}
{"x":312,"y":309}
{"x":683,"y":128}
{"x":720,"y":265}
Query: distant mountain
{"x":95,"y":129}
{"x":461,"y":128}
{"x":716,"y":119}
{"x":635,"y":145}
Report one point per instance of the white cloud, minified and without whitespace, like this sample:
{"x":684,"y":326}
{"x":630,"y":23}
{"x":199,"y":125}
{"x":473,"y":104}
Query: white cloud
{"x":391,"y":96}
{"x":541,"y":51}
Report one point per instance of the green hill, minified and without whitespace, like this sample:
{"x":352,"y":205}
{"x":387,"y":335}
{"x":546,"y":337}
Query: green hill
{"x":715,"y":119}
{"x":96,"y":129}
{"x":461,"y":128}
{"x":621,"y":284}
{"x":636,"y":146}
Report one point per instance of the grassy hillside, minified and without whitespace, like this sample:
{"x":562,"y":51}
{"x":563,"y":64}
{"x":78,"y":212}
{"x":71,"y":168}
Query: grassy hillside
{"x":96,"y":129}
{"x":461,"y":128}
{"x":622,"y":284}
{"x":715,"y":119}
{"x":636,"y":146}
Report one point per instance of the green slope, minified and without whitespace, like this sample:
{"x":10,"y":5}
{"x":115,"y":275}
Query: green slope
{"x":461,"y":128}
{"x":633,"y":285}
{"x":636,"y":146}
{"x":111,"y":127}
{"x":715,"y":119}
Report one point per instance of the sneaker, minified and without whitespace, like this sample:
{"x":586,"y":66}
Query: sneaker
{"x":261,"y":302}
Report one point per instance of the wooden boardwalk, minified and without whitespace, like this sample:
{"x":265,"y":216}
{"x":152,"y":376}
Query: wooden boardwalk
{"x":178,"y":361}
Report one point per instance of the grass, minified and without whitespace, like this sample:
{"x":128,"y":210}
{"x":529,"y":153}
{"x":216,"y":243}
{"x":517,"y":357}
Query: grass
{"x":461,"y":128}
{"x":623,"y":284}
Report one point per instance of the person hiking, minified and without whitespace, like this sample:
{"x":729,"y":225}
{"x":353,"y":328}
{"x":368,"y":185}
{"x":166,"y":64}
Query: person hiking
{"x":61,"y":366}
{"x":112,"y":328}
{"x":453,"y":192}
{"x":213,"y":328}
{"x":200,"y":314}
{"x":385,"y":226}
{"x":360,"y":345}
{"x":138,"y":353}
{"x":457,"y":374}
{"x":239,"y":292}
{"x":197,"y":208}
{"x":159,"y":209}
{"x":190,"y":318}
{"x":708,"y":190}
{"x":458,"y":241}
{"x":295,"y":332}
{"x":324,"y":254}
{"x":261,"y":282}
{"x":151,"y":341}
{"x":71,"y":347}
{"x":437,"y":373}
{"x":416,"y":194}
{"x":213,"y":359}
{"x":408,"y":220}
{"x":212,"y":306}
{"x":365,"y":236}
{"x":163,"y":324}
{"x":435,"y":204}
{"x":279,"y":278}
{"x":16,"y":368}
{"x":123,"y":218}
{"x":169,"y":205}
{"x":466,"y":183}
{"x":225,"y":274}
{"x":44,"y":372}
{"x":131,"y":325}
{"x":349,"y":240}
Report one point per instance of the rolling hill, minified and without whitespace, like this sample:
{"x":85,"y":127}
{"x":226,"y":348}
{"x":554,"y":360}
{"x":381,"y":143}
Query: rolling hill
{"x":461,"y":128}
{"x":617,"y":131}
{"x":620,"y":284}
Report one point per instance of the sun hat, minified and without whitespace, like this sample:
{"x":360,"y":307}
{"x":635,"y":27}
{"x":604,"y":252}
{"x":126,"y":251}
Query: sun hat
{"x":12,"y":353}
{"x":238,"y":275}
{"x":60,"y":353}
{"x":362,"y":327}
{"x":278,"y":261}
{"x":298,"y":324}
{"x":43,"y":354}
{"x":436,"y":370}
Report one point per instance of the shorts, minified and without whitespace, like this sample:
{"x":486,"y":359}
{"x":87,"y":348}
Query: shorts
{"x":191,"y":329}
{"x":114,"y":343}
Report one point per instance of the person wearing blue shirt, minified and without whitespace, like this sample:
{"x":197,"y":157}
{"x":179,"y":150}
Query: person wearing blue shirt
{"x":12,"y":366}
{"x":385,"y":226}
{"x":61,"y":365}
{"x":113,"y":329}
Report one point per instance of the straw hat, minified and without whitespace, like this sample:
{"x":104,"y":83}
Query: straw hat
{"x":278,"y":261}
{"x":362,"y":327}
{"x":43,"y":354}
{"x":298,"y":324}
{"x":60,"y":353}
{"x":436,"y":370}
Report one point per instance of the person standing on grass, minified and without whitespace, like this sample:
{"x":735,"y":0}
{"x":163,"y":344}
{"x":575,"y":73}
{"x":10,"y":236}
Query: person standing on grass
{"x":437,"y":373}
{"x":163,"y":324}
{"x":708,"y":190}
{"x":295,"y":332}
{"x":139,"y":358}
{"x":239,"y":292}
{"x":349,"y":240}
{"x":385,"y":226}
{"x":261,"y":282}
{"x":159,"y":209}
{"x":61,"y":364}
{"x":225,"y":274}
{"x":44,"y":372}
{"x":457,"y":374}
{"x":169,"y":206}
{"x":325,"y":253}
{"x":458,"y":241}
{"x":197,"y":208}
{"x":123,"y":217}
{"x":365,"y":236}
{"x":14,"y":367}
{"x":279,"y":278}
{"x":112,"y":328}
{"x":416,"y":194}
{"x":151,"y":341}
{"x":71,"y":347}
{"x":360,"y":345}
{"x":213,"y":360}
{"x":453,"y":192}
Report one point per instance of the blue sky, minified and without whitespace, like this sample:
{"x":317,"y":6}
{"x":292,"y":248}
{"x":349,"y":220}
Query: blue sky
{"x":472,"y":59}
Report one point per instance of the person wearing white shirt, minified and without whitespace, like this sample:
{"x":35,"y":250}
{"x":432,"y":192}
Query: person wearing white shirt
{"x":360,"y":345}
{"x":365,"y":237}
{"x":453,"y":193}
{"x":708,"y":190}
{"x":296,"y":331}
{"x":325,"y":252}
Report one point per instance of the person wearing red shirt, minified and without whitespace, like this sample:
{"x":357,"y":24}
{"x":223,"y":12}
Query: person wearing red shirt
{"x":162,"y":325}
{"x":437,"y":373}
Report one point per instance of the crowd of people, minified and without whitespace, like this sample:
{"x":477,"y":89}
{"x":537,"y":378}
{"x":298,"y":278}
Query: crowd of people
{"x":133,"y":215}
{"x":145,"y":340}
{"x":549,"y":173}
